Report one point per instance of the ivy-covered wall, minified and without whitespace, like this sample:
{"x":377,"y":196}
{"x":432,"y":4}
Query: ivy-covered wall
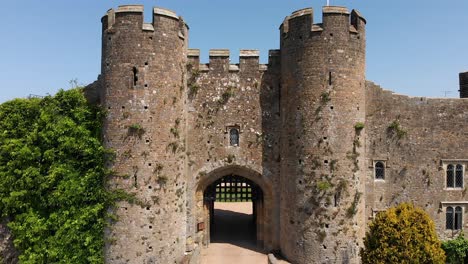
{"x":52,"y":179}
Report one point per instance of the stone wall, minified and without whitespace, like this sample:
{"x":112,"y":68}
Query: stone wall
{"x":416,"y":137}
{"x":8,"y":253}
{"x":222,"y":96}
{"x":311,"y":131}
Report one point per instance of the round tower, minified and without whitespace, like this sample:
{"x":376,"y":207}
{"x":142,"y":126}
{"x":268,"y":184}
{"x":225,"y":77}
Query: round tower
{"x":143,"y":91}
{"x":323,"y":115}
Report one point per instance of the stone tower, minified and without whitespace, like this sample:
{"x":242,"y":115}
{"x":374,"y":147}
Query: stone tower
{"x":142,"y":88}
{"x":320,"y":103}
{"x":323,"y":113}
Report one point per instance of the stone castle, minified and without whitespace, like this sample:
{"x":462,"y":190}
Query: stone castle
{"x":321,"y":149}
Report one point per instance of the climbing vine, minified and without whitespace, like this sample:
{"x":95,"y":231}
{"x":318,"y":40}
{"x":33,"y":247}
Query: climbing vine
{"x":395,"y":129}
{"x":52,"y":175}
{"x":456,"y":249}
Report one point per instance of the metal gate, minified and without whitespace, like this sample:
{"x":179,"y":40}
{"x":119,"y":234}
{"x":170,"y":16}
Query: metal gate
{"x":233,"y":188}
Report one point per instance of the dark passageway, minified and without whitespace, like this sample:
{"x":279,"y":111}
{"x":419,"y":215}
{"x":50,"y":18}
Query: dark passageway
{"x":235,"y":207}
{"x":233,"y":239}
{"x":234,"y":223}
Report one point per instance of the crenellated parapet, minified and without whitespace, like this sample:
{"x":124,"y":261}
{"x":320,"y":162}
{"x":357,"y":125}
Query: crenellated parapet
{"x":220,"y":61}
{"x":312,"y":88}
{"x":335,"y":18}
{"x":131,"y":17}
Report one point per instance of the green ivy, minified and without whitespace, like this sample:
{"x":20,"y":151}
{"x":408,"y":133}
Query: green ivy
{"x":52,"y":175}
{"x":456,"y":250}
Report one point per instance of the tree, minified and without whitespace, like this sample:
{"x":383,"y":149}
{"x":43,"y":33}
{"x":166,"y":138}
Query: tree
{"x":52,"y":178}
{"x":402,"y":234}
{"x":456,"y":250}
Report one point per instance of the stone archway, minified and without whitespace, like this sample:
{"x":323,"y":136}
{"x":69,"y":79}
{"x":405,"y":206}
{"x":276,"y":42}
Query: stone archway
{"x":262,"y":203}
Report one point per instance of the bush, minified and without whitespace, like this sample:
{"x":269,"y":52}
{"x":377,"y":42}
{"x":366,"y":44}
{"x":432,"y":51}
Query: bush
{"x":402,"y":234}
{"x":52,"y":177}
{"x":456,"y":250}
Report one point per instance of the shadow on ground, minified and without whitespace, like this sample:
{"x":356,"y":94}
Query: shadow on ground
{"x":234,"y":228}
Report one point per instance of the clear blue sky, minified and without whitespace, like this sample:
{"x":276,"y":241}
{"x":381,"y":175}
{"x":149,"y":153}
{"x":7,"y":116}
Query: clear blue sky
{"x":413,"y":47}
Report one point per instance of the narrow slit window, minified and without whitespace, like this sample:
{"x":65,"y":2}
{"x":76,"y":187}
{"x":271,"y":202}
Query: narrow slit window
{"x":450,"y":176}
{"x":458,"y":218}
{"x":459,"y":176}
{"x":379,"y":170}
{"x":234,"y":137}
{"x":449,"y":218}
{"x":329,"y":78}
{"x":135,"y":76}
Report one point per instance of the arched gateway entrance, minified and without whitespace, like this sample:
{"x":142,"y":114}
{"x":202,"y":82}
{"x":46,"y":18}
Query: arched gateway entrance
{"x":235,"y":184}
{"x":238,"y":212}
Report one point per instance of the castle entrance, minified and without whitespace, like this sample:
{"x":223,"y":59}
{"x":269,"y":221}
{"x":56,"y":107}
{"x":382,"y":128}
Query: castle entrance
{"x":234,"y":204}
{"x":235,"y":219}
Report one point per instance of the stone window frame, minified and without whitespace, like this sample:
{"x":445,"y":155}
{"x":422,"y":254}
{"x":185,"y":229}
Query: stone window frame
{"x":373,"y":166}
{"x":445,"y":163}
{"x":228,"y":135}
{"x":453,"y":227}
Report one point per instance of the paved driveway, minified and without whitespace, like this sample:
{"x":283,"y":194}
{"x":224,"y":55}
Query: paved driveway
{"x":233,"y":240}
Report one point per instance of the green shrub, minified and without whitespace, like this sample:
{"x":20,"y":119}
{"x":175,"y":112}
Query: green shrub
{"x":402,"y":234}
{"x":456,"y":250}
{"x":52,"y":178}
{"x":396,"y":129}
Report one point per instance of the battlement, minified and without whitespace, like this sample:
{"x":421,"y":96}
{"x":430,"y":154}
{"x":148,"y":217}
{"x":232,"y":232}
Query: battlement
{"x":335,"y":10}
{"x":333,"y":17}
{"x":219,"y":60}
{"x":123,"y":12}
{"x":130,"y":9}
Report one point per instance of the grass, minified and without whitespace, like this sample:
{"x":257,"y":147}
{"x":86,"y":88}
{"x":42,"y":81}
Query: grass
{"x":235,"y":194}
{"x":226,"y":96}
{"x":396,"y":129}
{"x":359,"y":126}
{"x":136,"y":130}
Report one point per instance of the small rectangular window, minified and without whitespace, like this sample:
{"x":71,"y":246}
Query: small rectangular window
{"x":379,"y":170}
{"x":233,"y":133}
